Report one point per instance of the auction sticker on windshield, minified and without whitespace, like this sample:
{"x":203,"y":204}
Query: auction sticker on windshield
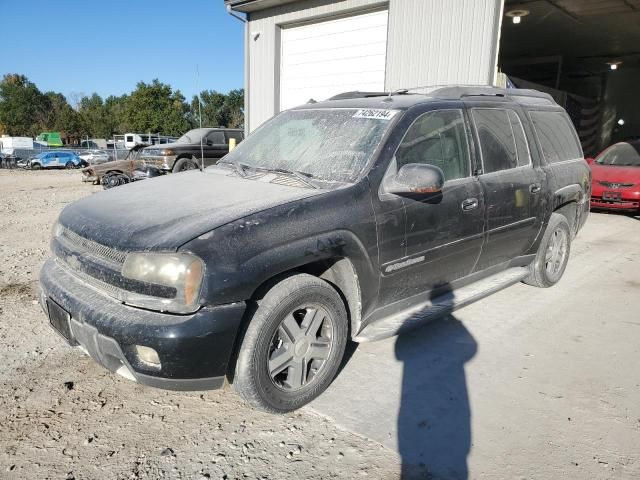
{"x":377,"y":113}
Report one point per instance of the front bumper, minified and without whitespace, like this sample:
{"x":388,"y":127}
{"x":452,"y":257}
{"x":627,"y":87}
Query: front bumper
{"x":194,"y":350}
{"x":623,"y":204}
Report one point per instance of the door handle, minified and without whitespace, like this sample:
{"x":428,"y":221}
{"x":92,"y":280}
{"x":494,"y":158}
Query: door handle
{"x":470,"y":204}
{"x":535,"y":188}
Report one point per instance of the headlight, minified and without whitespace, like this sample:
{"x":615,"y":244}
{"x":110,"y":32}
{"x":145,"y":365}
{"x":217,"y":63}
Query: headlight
{"x":167,"y":152}
{"x":181,"y":271}
{"x":57,"y":229}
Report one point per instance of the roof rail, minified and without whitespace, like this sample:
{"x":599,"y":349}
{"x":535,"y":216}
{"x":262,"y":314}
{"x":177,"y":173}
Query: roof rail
{"x":463,"y":91}
{"x":458,"y":92}
{"x":358,"y":94}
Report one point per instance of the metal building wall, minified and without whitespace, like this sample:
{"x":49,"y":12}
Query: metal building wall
{"x":436,"y":42}
{"x":430,"y":42}
{"x":263,"y":82}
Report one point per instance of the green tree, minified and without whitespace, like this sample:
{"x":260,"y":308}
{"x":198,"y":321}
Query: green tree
{"x":115,"y":114}
{"x":235,"y":104}
{"x":23,"y":108}
{"x":156,"y":108}
{"x":60,"y":116}
{"x":219,"y":109}
{"x":93,"y":117}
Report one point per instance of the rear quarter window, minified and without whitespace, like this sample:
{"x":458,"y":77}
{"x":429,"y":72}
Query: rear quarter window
{"x":556,"y":135}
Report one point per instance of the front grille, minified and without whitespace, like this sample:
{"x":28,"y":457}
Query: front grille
{"x":93,"y":282}
{"x":84,"y":245}
{"x":615,"y":185}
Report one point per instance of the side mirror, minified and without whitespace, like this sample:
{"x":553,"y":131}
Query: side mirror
{"x":415,"y":179}
{"x":590,"y":160}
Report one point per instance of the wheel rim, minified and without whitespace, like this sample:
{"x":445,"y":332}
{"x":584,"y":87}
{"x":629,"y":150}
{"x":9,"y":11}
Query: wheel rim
{"x":112,"y":181}
{"x":556,"y":251}
{"x":187,"y":166}
{"x":300,"y":347}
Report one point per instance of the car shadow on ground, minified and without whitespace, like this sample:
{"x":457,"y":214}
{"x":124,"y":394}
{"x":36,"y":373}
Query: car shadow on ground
{"x":434,"y":420}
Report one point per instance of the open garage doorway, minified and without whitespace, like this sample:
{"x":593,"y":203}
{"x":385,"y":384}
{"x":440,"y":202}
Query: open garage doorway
{"x":586,"y":53}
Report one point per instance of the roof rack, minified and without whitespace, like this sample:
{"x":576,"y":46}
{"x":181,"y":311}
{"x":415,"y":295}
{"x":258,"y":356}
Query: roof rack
{"x":463,"y":91}
{"x":458,"y":92}
{"x":358,"y":94}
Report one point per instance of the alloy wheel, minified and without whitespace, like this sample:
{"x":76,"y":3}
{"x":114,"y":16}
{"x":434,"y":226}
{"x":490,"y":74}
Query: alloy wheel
{"x":556,"y":251}
{"x":300,"y":347}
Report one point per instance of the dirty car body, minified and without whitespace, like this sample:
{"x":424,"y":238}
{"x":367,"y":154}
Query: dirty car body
{"x":196,"y":148}
{"x":125,"y":167}
{"x":389,"y":210}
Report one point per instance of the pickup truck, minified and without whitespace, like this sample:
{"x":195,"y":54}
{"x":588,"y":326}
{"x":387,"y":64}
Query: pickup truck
{"x":356,"y":218}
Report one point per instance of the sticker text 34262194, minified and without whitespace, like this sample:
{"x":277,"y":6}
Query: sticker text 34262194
{"x":376,"y":113}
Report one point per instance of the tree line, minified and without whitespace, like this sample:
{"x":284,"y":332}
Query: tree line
{"x":152,"y":107}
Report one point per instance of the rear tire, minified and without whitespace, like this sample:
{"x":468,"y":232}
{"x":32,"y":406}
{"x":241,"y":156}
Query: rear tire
{"x":184,"y":164}
{"x":553,"y":254}
{"x":293,"y":345}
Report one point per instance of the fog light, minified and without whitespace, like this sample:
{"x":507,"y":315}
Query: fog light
{"x":148,"y":355}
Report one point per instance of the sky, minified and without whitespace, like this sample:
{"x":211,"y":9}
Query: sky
{"x":80,"y":47}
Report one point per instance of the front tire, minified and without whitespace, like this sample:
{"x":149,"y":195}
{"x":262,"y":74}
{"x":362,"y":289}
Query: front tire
{"x":184,"y":164}
{"x":293,"y":345}
{"x":553,"y":254}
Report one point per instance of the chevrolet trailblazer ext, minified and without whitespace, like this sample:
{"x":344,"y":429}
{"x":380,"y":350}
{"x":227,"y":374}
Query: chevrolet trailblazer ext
{"x":354,"y":218}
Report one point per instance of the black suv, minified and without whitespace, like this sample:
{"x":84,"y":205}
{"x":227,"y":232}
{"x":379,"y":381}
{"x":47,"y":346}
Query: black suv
{"x":187,"y":152}
{"x":356,"y":218}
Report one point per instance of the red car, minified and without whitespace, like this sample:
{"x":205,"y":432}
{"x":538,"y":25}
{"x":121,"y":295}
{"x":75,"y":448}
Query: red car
{"x":616,"y":178}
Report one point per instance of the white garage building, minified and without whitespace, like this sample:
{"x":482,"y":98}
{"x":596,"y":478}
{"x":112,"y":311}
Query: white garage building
{"x":296,"y":50}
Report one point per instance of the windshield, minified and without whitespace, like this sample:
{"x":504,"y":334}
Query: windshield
{"x":621,"y":154}
{"x":329,"y":144}
{"x":193,"y":136}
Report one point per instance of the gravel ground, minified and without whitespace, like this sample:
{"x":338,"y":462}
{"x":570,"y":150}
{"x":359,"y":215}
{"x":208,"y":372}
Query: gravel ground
{"x":64,"y":417}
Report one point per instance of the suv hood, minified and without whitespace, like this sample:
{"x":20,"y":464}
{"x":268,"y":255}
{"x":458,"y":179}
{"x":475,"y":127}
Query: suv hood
{"x":166,"y":212}
{"x":162,"y":146}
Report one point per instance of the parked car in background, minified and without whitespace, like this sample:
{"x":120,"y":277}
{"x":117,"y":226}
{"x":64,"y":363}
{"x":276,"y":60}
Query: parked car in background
{"x":114,"y":173}
{"x":95,"y":157}
{"x":354,"y":219}
{"x":186,"y":152}
{"x":54,"y":159}
{"x":616,"y":178}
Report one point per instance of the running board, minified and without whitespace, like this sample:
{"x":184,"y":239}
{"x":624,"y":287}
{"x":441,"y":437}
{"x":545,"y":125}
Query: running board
{"x":426,"y":310}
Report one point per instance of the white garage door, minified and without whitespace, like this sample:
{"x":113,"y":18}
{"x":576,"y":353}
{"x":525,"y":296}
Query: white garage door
{"x":322,"y":59}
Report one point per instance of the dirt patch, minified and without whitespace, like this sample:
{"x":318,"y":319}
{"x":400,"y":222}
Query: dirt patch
{"x":24,"y":289}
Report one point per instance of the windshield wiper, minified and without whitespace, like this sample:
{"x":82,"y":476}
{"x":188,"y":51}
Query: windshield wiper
{"x":240,"y":167}
{"x":304,"y":177}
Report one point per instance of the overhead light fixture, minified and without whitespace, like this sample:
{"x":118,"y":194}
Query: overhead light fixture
{"x":621,"y":122}
{"x":516,"y":15}
{"x":614,"y":65}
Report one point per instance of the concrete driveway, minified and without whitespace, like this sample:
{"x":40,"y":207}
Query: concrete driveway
{"x":528,"y":383}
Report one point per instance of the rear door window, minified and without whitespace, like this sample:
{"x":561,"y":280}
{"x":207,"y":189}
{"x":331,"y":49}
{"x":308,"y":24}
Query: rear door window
{"x":522,"y":147}
{"x":497,"y":139}
{"x":238,"y":136}
{"x":216,"y":138}
{"x":556,"y":135}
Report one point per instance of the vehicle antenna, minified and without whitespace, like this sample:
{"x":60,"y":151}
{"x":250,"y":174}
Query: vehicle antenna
{"x":200,"y":118}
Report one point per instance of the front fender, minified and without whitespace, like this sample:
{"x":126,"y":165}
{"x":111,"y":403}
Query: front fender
{"x":244,"y":254}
